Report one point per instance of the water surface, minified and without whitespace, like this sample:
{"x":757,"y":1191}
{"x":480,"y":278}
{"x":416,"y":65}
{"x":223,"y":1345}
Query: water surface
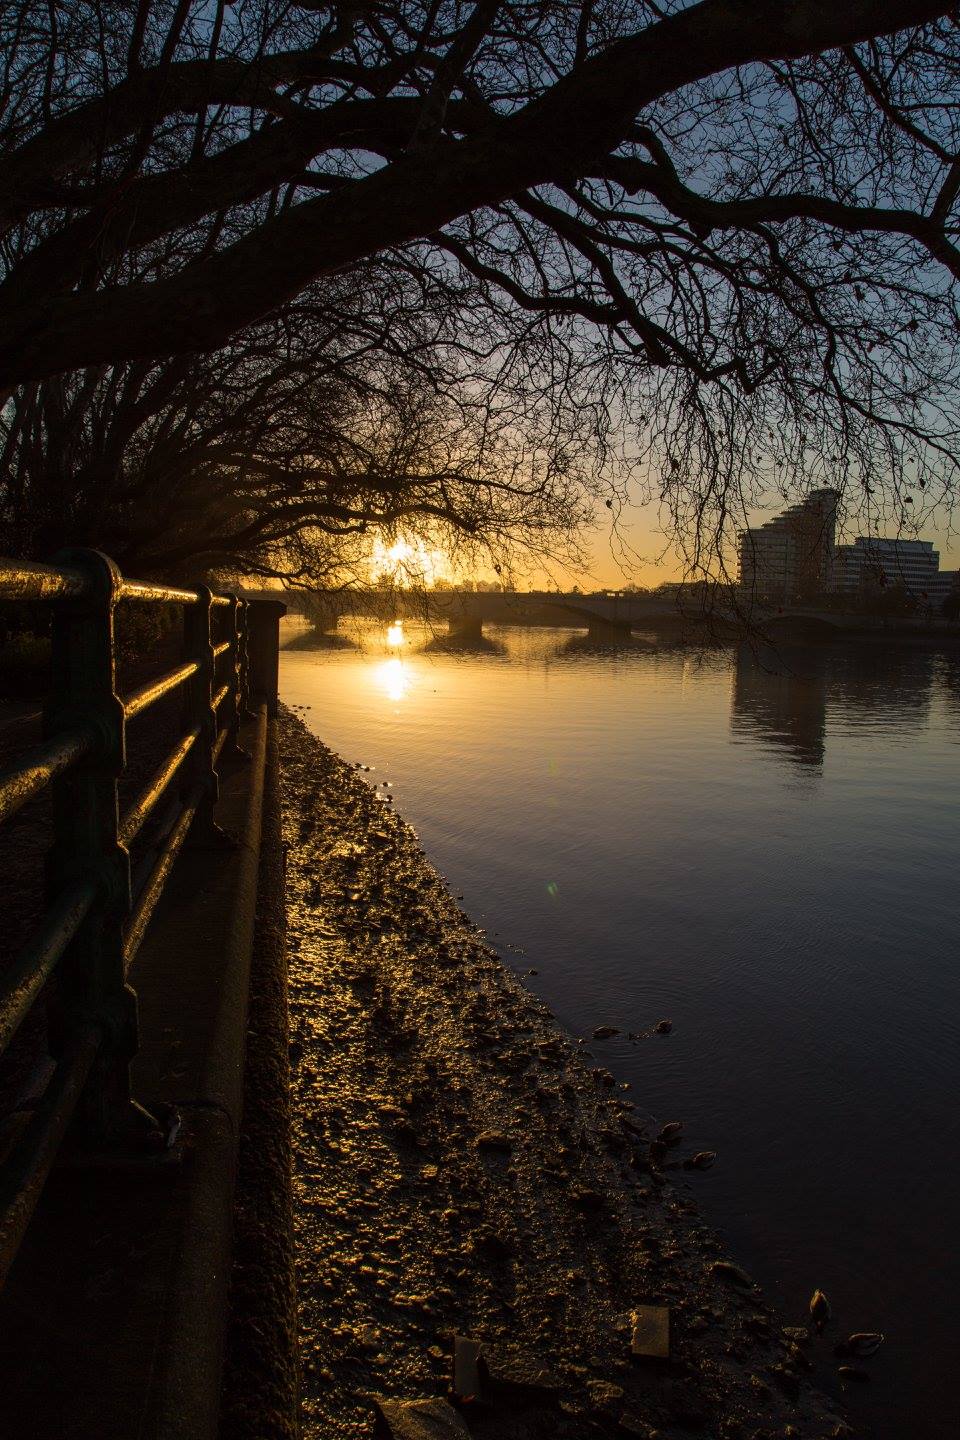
{"x":762,"y":849}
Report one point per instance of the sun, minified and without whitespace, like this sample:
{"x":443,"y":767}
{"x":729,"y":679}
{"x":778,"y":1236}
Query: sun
{"x":407,"y":564}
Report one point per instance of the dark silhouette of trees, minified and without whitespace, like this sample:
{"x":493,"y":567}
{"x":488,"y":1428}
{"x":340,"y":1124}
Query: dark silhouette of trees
{"x":713,"y":244}
{"x":283,"y":452}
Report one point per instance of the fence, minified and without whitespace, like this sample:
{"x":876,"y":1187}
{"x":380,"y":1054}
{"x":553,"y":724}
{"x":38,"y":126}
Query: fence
{"x":97,"y":905}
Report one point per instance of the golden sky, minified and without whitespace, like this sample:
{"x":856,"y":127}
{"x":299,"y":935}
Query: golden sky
{"x":640,"y":528}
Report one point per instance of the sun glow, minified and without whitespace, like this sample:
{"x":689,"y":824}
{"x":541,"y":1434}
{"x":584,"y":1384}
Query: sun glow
{"x":395,"y":636}
{"x":408,"y":564}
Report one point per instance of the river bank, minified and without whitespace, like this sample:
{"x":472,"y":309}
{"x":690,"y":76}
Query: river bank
{"x":460,"y":1169}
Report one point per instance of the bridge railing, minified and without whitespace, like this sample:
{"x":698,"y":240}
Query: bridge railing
{"x":97,"y":905}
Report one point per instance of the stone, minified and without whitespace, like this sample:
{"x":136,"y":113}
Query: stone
{"x":726,"y":1270}
{"x":651,"y":1331}
{"x":663,"y":1027}
{"x":604,"y":1032}
{"x":418,"y":1420}
{"x":603,"y":1394}
{"x":493,"y":1140}
{"x":588,"y":1200}
{"x":517,"y":1376}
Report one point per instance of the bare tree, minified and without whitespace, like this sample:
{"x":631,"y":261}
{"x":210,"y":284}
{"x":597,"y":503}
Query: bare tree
{"x":724,"y":232}
{"x":343,"y":418}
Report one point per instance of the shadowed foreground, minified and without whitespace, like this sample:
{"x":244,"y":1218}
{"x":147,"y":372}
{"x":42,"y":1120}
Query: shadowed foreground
{"x":459,"y":1170}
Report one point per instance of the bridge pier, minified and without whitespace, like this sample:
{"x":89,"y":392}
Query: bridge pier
{"x":608,"y":632}
{"x":468,"y":629}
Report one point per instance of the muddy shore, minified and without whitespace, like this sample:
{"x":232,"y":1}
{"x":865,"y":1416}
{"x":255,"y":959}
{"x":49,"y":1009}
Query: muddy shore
{"x":461,"y":1169}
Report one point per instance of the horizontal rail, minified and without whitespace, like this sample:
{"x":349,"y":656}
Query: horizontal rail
{"x":36,"y":962}
{"x":24,"y":1172}
{"x":154,"y":690}
{"x":218,"y":745}
{"x":152,"y":793}
{"x":221,"y":649}
{"x":161,"y":594}
{"x":41,"y":764}
{"x":26,"y":580}
{"x":157,"y":879}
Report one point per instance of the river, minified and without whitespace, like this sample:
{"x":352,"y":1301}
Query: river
{"x":761,"y":849}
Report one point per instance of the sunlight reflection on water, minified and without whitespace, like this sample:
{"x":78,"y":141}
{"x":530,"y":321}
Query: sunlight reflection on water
{"x":393,"y":678}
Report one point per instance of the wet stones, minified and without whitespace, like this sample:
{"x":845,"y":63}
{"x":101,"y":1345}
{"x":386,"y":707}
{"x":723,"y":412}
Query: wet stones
{"x":731,"y":1274}
{"x":491,"y":1245}
{"x":703,"y":1160}
{"x":591,"y":1202}
{"x":494,"y":1140}
{"x":432,"y":1419}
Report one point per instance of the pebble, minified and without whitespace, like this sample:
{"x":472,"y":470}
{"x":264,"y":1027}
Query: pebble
{"x":701,"y":1161}
{"x":865,"y":1342}
{"x":852,"y":1372}
{"x":421,"y":1419}
{"x":493,"y":1140}
{"x":726,"y":1270}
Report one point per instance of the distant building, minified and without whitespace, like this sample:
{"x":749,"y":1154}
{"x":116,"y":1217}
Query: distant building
{"x":791,"y":556}
{"x":874,"y":563}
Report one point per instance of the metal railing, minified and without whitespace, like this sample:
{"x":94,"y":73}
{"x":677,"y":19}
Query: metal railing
{"x":97,"y":904}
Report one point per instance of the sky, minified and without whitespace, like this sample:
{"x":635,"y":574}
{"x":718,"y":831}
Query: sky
{"x":640,"y":527}
{"x":637,"y":554}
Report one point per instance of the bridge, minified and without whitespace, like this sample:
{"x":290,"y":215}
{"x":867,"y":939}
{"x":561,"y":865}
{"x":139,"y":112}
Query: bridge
{"x":608,"y":616}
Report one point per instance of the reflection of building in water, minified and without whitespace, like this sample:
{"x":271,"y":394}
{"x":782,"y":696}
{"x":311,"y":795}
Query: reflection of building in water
{"x":881,"y":686}
{"x":947,"y":674}
{"x":781,"y":695}
{"x":781,"y":699}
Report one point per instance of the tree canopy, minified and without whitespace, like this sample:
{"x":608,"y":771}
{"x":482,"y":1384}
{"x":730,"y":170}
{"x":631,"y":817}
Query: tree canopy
{"x":710,"y":246}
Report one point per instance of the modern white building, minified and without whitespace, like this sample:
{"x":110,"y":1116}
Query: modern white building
{"x":791,"y":556}
{"x":875,"y":563}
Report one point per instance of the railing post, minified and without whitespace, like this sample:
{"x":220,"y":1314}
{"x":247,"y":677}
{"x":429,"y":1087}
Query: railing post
{"x":233,"y":707}
{"x":198,"y":636}
{"x":243,"y":657}
{"x":264,"y":649}
{"x":91,"y":986}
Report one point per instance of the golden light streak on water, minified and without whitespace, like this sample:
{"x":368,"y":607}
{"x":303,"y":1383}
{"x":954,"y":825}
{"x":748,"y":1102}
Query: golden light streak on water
{"x":394,"y":679}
